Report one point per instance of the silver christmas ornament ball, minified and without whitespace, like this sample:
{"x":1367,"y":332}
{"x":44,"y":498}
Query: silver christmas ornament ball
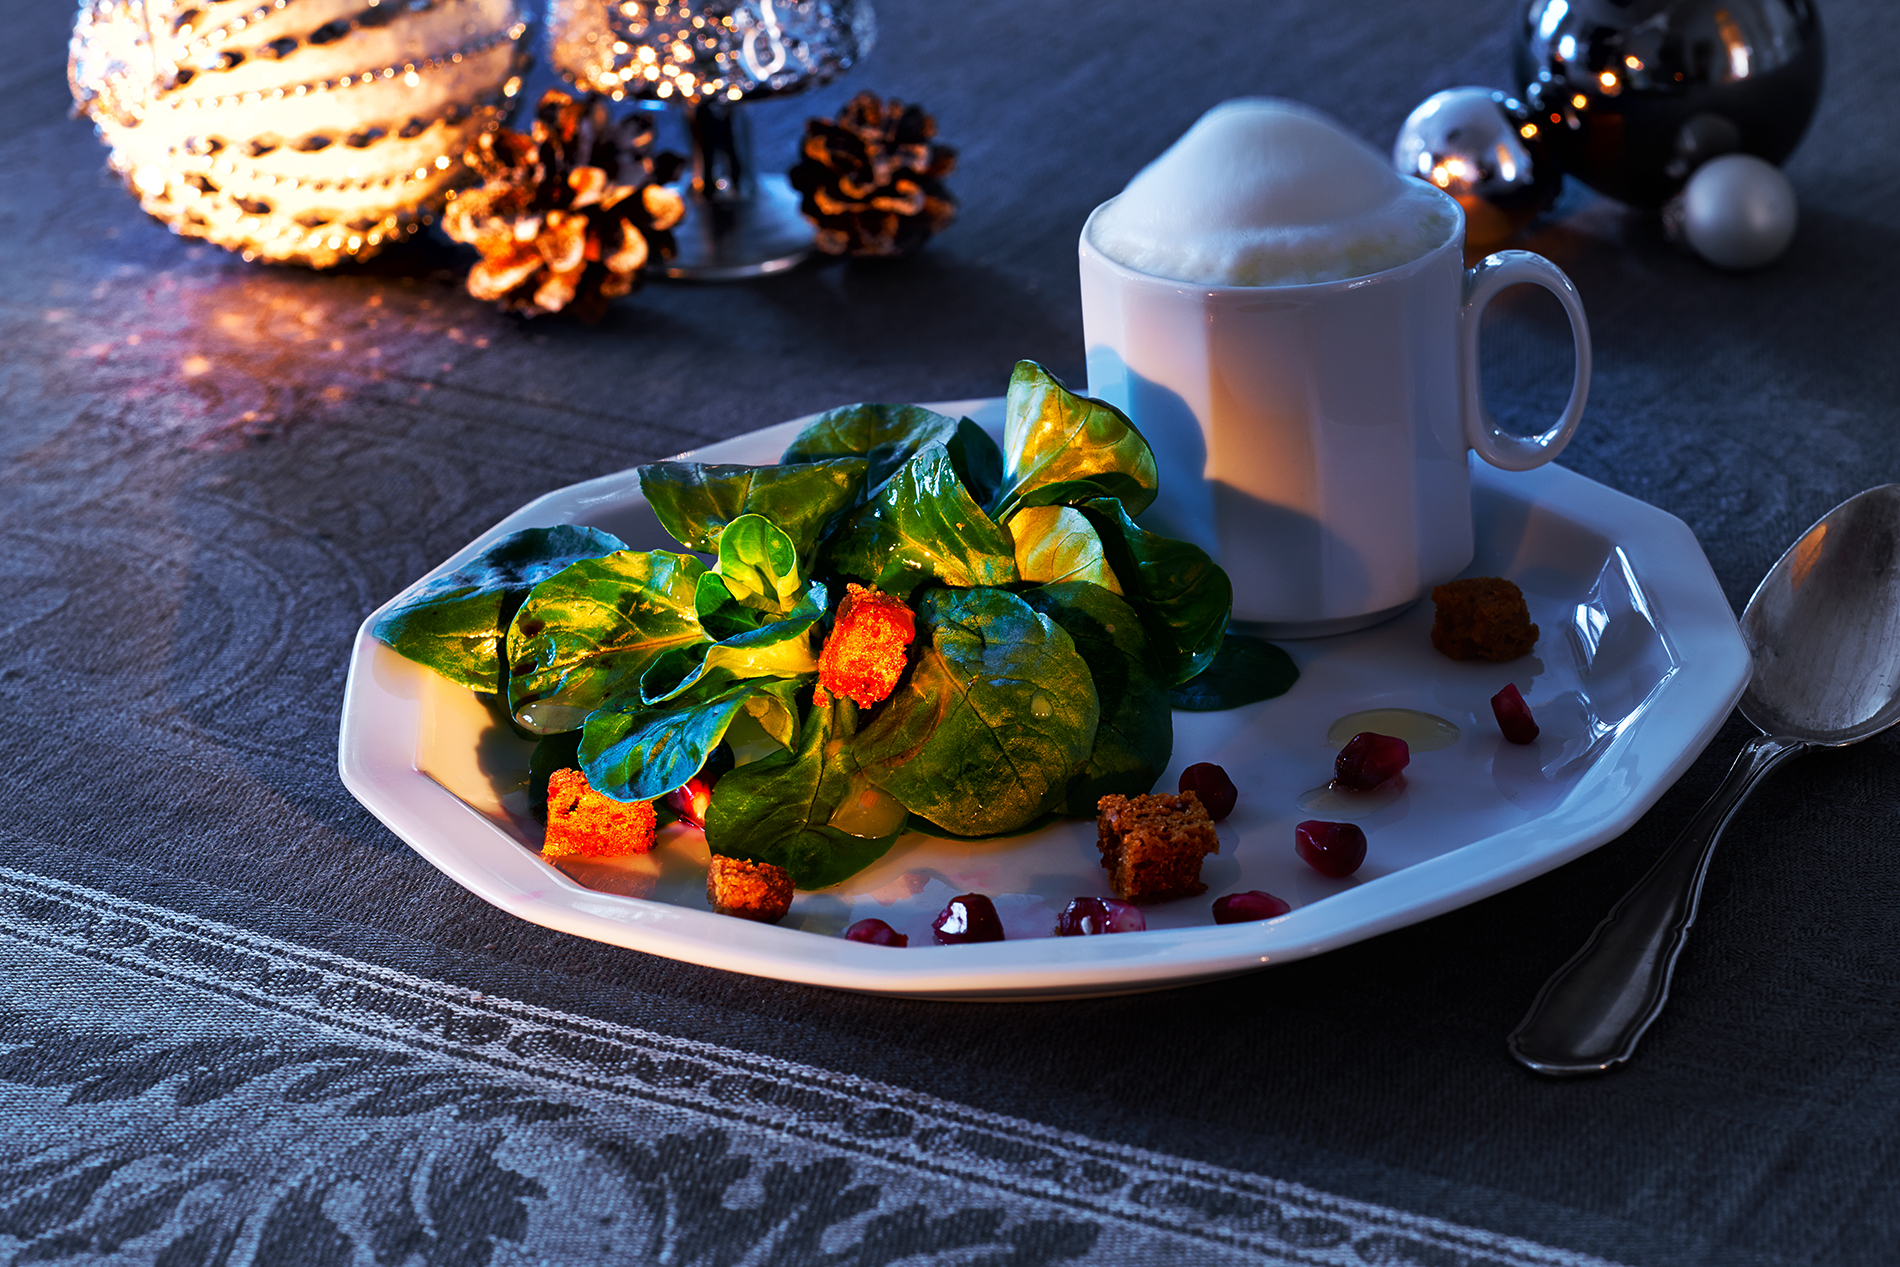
{"x":1483,"y":148}
{"x":1737,"y":211}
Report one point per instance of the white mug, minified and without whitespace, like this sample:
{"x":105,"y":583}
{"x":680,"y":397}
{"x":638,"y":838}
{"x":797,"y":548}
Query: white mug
{"x":1313,"y":438}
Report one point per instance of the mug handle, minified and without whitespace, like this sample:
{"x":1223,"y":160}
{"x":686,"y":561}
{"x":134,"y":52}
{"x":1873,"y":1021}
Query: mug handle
{"x":1499,"y":447}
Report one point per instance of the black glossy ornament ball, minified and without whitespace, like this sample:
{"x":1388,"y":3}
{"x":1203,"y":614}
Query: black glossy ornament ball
{"x":1483,"y":148}
{"x":1633,"y":95}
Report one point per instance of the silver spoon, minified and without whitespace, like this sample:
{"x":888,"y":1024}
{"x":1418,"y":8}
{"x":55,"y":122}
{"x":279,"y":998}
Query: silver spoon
{"x":1824,"y":631}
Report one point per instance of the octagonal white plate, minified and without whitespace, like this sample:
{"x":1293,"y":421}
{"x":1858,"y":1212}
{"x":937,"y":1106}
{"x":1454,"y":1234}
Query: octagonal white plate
{"x":1639,"y":662}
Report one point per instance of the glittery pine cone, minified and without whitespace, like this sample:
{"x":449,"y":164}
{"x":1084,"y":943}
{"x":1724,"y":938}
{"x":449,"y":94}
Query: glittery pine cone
{"x":872,"y":178}
{"x":568,"y":215}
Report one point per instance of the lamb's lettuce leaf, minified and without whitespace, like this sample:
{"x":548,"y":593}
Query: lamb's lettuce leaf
{"x":759,"y":565}
{"x":696,"y":500}
{"x":1136,"y":735}
{"x":1062,"y":449}
{"x":886,"y":436}
{"x":794,"y":809}
{"x":1183,"y":596}
{"x":1058,"y":543}
{"x":992,"y":721}
{"x":633,"y":752}
{"x":455,"y":624}
{"x":1244,"y":670}
{"x":780,"y":648}
{"x":922,"y":525}
{"x":590,"y":631}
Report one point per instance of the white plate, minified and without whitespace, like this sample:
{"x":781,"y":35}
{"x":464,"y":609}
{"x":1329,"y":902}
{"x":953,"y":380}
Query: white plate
{"x":1638,"y":663}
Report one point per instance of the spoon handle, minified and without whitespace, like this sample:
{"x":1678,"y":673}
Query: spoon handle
{"x":1592,"y":1011}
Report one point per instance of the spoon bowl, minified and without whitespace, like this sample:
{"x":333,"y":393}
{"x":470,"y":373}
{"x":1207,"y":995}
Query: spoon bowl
{"x":1823,"y":631}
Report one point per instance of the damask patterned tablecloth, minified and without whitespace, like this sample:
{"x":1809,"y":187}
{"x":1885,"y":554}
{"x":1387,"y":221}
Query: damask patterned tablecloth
{"x":245,"y":1024}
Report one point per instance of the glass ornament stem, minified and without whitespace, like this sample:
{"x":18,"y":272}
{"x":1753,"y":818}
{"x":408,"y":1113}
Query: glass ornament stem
{"x":738,"y":223}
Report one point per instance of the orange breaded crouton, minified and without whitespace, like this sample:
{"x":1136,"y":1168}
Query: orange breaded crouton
{"x":864,"y":656}
{"x":1152,"y":845}
{"x":750,"y":890}
{"x":1482,"y":618}
{"x":583,"y":823}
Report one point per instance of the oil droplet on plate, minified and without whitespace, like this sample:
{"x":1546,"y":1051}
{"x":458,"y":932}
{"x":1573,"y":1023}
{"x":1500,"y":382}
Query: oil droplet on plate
{"x":1328,"y":801}
{"x":1422,"y":732}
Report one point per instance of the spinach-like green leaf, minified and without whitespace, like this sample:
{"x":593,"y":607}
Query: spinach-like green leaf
{"x":781,"y":648}
{"x":1245,"y":669}
{"x":1058,"y":543}
{"x":922,"y":524}
{"x":455,"y":623}
{"x":978,"y":462}
{"x":887,"y":436}
{"x":995,"y":717}
{"x":781,"y":809}
{"x":1136,"y":734}
{"x":633,"y":752}
{"x":759,"y":564}
{"x":720,"y":614}
{"x":1061,"y":448}
{"x":696,"y":500}
{"x":1183,"y":596}
{"x":590,"y":631}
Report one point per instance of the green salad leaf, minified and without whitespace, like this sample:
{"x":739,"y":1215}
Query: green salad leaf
{"x":995,"y":717}
{"x":696,"y":500}
{"x":591,"y":630}
{"x":633,"y":752}
{"x":886,"y":436}
{"x":977,"y":461}
{"x":1058,"y":543}
{"x":781,"y":648}
{"x":456,"y":622}
{"x":759,"y":565}
{"x":1135,"y":738}
{"x":1061,"y":448}
{"x":1244,"y":670}
{"x":794,"y":809}
{"x":1183,"y":595}
{"x":922,"y":525}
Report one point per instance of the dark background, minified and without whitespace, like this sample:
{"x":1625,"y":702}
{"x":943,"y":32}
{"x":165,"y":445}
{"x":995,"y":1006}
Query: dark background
{"x":211,"y":471}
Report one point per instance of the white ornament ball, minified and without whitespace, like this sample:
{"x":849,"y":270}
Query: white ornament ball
{"x":297,"y":130}
{"x":1738,"y":211}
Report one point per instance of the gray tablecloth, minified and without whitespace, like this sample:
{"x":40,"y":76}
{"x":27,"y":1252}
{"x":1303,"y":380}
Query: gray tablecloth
{"x":246,"y":1024}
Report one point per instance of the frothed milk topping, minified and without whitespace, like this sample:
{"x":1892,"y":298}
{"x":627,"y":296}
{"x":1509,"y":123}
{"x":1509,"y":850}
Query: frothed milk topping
{"x":1262,"y":192}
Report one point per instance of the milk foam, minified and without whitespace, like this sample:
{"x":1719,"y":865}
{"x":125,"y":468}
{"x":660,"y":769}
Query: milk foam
{"x":1261,"y":192}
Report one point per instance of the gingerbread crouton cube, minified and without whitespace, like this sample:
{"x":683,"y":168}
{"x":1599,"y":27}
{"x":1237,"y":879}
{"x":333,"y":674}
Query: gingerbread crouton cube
{"x":1482,"y":618}
{"x":1152,"y":845}
{"x":749,"y":890}
{"x":583,"y":823}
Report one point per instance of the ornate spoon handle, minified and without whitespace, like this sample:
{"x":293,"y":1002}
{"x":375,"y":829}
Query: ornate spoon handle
{"x":1592,"y":1011}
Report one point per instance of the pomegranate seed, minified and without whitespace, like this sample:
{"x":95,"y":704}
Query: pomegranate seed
{"x":1514,"y":715}
{"x":690,"y":799}
{"x":876,"y":932}
{"x":1209,"y":782}
{"x":1242,"y":908}
{"x":1334,"y":849}
{"x":1369,"y":759}
{"x":1087,"y":916}
{"x":965,"y":918}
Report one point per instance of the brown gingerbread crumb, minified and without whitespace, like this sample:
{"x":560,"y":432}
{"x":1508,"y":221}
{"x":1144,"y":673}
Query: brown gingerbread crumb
{"x":583,"y":823}
{"x":750,"y":890}
{"x":1152,"y":845}
{"x":1482,"y":618}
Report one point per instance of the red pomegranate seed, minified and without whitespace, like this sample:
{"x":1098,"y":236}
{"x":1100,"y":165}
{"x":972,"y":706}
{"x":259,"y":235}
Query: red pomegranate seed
{"x":965,"y":918}
{"x":1209,"y":782}
{"x":876,"y":932}
{"x":1087,"y":916}
{"x":1334,"y":849}
{"x":1514,"y":715}
{"x":1242,"y":908}
{"x":1369,"y":759}
{"x":690,"y":799}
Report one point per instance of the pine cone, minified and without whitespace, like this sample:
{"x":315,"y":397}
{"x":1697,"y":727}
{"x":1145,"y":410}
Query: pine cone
{"x":872,"y":179}
{"x":569,"y":215}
